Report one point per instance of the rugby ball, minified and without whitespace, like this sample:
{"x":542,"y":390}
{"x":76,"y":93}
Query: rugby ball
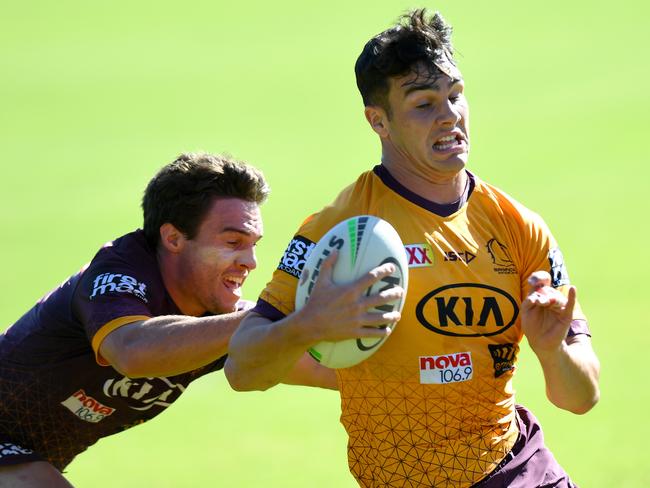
{"x":363,"y":242}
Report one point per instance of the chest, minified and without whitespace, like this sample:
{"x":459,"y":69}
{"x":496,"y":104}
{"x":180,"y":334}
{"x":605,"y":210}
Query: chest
{"x":465,"y":287}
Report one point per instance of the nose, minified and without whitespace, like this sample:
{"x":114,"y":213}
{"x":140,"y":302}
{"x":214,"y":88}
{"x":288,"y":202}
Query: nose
{"x":247,"y":258}
{"x":449,"y":114}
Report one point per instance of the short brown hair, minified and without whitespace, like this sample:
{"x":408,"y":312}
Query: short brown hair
{"x":182,"y":191}
{"x":417,"y":39}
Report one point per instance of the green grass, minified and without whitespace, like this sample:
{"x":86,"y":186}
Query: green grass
{"x":97,"y":96}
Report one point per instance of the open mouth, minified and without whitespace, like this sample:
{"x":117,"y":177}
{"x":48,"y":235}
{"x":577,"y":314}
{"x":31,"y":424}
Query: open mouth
{"x":450,"y":143}
{"x":233,"y":282}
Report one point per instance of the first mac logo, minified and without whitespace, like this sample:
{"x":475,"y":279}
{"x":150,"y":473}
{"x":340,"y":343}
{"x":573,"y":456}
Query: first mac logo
{"x":467,"y":310}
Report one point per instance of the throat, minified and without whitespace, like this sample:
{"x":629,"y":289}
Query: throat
{"x":435,"y":186}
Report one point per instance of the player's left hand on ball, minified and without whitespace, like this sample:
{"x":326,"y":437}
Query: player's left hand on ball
{"x":546,"y":314}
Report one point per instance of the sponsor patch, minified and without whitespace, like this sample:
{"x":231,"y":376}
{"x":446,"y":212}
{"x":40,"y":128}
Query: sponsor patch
{"x":86,"y":407}
{"x":448,"y":368}
{"x":144,"y":393}
{"x":501,"y":258}
{"x":559,"y":274}
{"x":294,"y":257}
{"x":467,"y":309}
{"x":119,"y":283}
{"x":419,"y":255}
{"x":8,"y":449}
{"x":504,"y":357}
{"x":462,"y":256}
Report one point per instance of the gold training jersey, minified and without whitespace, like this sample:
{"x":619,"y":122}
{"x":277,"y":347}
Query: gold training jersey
{"x":434,"y":406}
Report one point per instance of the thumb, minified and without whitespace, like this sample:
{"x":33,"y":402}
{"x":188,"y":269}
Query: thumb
{"x":571,"y":302}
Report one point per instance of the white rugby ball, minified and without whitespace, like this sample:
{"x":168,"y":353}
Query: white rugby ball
{"x":363,"y":242}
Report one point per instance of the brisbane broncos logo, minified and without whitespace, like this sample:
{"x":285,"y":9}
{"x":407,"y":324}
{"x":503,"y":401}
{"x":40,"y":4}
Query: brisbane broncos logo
{"x":500,"y":255}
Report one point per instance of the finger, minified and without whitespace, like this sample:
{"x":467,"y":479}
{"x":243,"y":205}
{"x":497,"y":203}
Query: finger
{"x":379,"y":319}
{"x":539,"y":279}
{"x":370,"y":332}
{"x":373,"y":276}
{"x":327,"y":267}
{"x":570,"y":301}
{"x":384,"y":297}
{"x":555,"y":298}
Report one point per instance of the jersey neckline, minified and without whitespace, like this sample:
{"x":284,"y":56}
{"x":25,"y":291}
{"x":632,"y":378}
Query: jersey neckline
{"x":441,"y":209}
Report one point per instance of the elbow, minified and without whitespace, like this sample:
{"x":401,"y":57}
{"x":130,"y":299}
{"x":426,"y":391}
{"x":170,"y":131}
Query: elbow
{"x":588,"y":404}
{"x":242,"y":382}
{"x":583,"y":407}
{"x":131,"y":367}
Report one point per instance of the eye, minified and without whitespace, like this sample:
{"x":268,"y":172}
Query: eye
{"x":455,"y":98}
{"x":423,"y":105}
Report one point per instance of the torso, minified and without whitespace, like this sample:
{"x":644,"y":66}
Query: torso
{"x":57,"y":399}
{"x":434,"y":405}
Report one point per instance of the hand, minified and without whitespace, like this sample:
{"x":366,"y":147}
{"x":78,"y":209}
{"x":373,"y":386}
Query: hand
{"x":546,"y":314}
{"x":338,"y":312}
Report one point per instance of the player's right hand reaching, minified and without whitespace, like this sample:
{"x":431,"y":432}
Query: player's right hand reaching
{"x":336,"y":312}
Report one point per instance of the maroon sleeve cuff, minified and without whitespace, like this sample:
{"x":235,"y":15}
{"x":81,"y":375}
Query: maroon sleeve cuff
{"x":267,"y":310}
{"x":578,"y":327}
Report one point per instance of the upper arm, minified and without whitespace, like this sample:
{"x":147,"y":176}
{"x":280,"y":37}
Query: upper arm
{"x":113,"y":347}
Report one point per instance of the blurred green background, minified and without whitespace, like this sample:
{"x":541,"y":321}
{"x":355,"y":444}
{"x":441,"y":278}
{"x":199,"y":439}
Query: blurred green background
{"x":96,"y":96}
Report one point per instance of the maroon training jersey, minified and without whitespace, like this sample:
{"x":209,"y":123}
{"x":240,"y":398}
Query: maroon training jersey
{"x":57,"y":396}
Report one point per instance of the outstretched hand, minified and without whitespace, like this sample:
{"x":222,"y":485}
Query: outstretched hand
{"x":546,"y":314}
{"x":336,"y":312}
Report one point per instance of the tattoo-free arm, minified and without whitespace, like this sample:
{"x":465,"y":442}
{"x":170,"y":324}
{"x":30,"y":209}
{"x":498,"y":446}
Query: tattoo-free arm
{"x":571,"y":368}
{"x":571,"y":373}
{"x":263,"y":353}
{"x":169,"y":345}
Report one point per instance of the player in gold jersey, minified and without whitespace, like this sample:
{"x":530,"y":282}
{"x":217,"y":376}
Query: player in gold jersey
{"x":435,"y":406}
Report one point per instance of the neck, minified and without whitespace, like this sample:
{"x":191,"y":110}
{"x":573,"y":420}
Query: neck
{"x":433,"y":185}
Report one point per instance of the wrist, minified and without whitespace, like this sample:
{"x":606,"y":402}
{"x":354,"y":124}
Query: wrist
{"x":551,"y":355}
{"x":300,"y":330}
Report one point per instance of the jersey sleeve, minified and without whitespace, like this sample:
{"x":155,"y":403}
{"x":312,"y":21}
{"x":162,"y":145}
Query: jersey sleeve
{"x":108,"y":297}
{"x":541,"y":252}
{"x":277,"y":300}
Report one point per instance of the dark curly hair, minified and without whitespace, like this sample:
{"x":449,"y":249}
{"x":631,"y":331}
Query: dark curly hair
{"x":182,"y":192}
{"x":418,"y":41}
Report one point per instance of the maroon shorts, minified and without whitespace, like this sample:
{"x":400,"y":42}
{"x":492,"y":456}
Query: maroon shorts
{"x":529,"y":464}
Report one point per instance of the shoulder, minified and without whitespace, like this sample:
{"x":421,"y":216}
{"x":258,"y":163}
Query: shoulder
{"x":492,"y":199}
{"x":354,"y":199}
{"x":124,"y":265}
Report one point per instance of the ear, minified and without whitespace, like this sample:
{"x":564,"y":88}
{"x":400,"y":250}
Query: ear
{"x":171,"y":239}
{"x":377,"y":118}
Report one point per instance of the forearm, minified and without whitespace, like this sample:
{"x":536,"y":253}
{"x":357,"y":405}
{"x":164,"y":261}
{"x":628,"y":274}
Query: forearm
{"x":264,"y":353}
{"x":571,"y":375}
{"x":169,"y":345}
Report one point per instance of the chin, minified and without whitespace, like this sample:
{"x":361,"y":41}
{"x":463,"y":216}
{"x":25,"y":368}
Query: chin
{"x":451,"y":166}
{"x":225,"y":307}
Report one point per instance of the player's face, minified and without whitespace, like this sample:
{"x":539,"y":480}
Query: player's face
{"x":217,"y":261}
{"x":428,"y":128}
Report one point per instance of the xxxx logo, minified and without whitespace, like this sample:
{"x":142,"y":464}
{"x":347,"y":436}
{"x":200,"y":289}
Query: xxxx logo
{"x":419,"y":255}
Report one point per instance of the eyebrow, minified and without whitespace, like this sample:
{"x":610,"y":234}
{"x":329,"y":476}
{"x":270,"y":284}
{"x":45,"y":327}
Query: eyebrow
{"x":426,"y":86}
{"x":237,"y":231}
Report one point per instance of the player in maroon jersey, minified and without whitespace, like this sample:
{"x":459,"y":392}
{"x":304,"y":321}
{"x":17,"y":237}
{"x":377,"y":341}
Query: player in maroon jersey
{"x":120,"y":340}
